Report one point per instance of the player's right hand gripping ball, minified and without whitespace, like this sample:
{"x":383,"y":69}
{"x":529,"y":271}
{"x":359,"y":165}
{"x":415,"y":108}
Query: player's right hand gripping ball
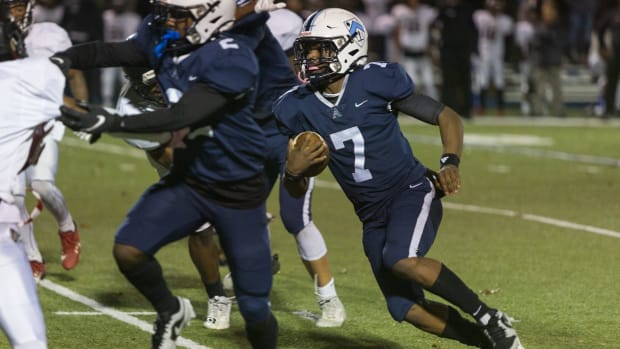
{"x":310,"y":138}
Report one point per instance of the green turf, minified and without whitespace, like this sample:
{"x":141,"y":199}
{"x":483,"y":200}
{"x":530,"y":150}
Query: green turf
{"x":561,"y":283}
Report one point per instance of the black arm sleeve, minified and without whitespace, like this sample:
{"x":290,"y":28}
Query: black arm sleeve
{"x":200,"y":106}
{"x":420,"y":107}
{"x":98,"y":54}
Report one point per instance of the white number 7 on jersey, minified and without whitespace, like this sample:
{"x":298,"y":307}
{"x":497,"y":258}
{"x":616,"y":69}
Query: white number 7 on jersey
{"x":353,"y":134}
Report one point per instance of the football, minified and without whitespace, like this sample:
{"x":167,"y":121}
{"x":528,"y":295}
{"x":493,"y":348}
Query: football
{"x":310,"y":138}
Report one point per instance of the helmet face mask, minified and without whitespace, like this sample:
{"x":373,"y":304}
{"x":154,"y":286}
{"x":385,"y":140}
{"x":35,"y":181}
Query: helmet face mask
{"x":19,"y":12}
{"x":205,"y":18}
{"x":143,"y":82}
{"x":316,"y":58}
{"x":332,"y":43}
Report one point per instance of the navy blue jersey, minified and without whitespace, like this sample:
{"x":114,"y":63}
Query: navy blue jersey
{"x":234,"y":149}
{"x":369,"y":156}
{"x":276,"y":75}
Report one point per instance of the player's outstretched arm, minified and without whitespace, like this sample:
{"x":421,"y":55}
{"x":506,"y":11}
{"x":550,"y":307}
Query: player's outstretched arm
{"x":98,"y":54}
{"x":200,"y":106}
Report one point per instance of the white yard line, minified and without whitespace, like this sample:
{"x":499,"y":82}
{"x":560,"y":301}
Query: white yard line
{"x":533,"y":218}
{"x":96,"y":313}
{"x":507,"y":213}
{"x":113,"y":313}
{"x":103,"y":147}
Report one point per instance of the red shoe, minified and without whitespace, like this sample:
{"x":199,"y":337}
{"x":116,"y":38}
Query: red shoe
{"x":38,"y":270}
{"x":70,"y":241}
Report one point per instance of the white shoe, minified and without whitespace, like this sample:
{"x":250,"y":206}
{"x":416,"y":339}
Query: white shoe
{"x":168,"y":326}
{"x":218,"y":313}
{"x":332,"y":312}
{"x":498,"y":328}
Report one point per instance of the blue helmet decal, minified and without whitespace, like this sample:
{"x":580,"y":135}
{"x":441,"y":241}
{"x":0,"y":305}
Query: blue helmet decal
{"x":356,"y":30}
{"x":354,"y":26}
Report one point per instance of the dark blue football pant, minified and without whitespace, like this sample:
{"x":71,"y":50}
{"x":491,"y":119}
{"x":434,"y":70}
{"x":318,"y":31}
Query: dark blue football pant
{"x":405,"y":228}
{"x":171,"y":210}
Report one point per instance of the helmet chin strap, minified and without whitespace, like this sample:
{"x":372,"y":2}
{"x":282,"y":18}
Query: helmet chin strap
{"x":322,"y":82}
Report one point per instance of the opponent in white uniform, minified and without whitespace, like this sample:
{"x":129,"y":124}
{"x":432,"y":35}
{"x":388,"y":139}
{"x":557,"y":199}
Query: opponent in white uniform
{"x":32,"y":91}
{"x":43,"y":40}
{"x":413,"y":39}
{"x":493,"y":27}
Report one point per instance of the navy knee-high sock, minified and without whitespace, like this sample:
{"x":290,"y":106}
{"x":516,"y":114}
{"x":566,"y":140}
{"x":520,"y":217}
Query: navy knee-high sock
{"x":451,"y":288}
{"x":147,"y":277}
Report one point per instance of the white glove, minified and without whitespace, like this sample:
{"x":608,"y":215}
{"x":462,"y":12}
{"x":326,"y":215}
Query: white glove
{"x":268,"y":5}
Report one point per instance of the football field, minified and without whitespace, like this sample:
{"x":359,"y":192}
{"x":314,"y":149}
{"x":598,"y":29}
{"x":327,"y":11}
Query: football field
{"x":535,"y":230}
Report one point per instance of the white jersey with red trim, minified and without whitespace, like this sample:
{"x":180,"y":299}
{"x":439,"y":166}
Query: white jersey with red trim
{"x":414,"y":26}
{"x":31,"y":91}
{"x":492,"y":30}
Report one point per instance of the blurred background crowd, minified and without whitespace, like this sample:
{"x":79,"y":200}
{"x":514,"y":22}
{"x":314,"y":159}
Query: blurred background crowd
{"x":482,"y":57}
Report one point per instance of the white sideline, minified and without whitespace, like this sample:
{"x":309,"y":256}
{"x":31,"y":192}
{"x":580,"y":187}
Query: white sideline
{"x":113,"y":313}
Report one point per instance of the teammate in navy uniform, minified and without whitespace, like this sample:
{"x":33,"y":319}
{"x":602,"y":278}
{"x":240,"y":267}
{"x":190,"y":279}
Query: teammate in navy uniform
{"x":276,"y":77}
{"x":354,"y":107}
{"x":208,"y":77}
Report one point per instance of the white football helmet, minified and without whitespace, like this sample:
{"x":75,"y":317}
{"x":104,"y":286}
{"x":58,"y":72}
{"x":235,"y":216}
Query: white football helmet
{"x":342,"y":41}
{"x":45,"y":39}
{"x":209,"y":17}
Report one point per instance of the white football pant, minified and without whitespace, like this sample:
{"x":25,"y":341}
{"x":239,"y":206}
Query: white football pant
{"x":21,"y":317}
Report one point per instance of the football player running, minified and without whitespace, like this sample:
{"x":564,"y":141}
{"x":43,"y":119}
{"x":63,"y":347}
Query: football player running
{"x":208,"y":76}
{"x":29,"y":39}
{"x":353,"y":105}
{"x":32,"y":90}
